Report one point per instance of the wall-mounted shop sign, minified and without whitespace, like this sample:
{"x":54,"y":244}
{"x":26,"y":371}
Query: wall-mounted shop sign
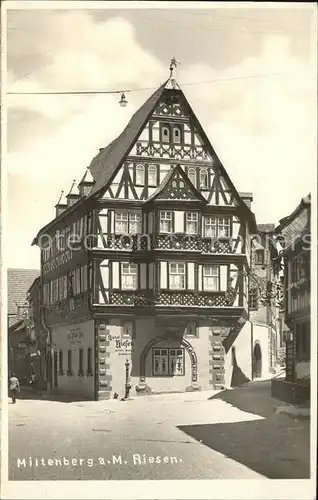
{"x":121,"y":345}
{"x":75,"y":336}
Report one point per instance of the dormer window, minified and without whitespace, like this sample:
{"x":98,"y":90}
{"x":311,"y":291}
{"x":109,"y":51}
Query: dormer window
{"x":204,"y":179}
{"x":140,"y":175}
{"x":192,"y":176}
{"x":152,"y":175}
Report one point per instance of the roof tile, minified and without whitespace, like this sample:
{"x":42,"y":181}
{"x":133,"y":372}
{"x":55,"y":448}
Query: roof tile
{"x":19,"y":282}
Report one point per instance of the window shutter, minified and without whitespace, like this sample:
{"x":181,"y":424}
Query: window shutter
{"x":190,"y":275}
{"x":103,"y":218}
{"x":200,"y":277}
{"x":104,"y":270}
{"x":179,"y":222}
{"x":223,"y":278}
{"x":111,"y":217}
{"x":163,"y":274}
{"x":115,"y":274}
{"x":151,"y":280}
{"x":143,"y":276}
{"x":150,"y":222}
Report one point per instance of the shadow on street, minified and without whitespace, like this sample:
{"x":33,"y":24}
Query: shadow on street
{"x":26,"y":394}
{"x":276,"y":446}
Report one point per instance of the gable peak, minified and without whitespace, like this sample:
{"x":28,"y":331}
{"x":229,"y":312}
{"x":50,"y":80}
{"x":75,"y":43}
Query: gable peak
{"x":177,"y":186}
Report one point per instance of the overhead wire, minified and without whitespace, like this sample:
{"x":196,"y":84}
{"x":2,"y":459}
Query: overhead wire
{"x":116,"y":91}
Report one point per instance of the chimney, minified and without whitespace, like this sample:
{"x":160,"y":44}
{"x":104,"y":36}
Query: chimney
{"x":247,"y":198}
{"x":73,"y":195}
{"x":61,"y":205}
{"x":86,"y":183}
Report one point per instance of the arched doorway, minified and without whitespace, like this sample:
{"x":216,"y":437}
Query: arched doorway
{"x":257,"y":361}
{"x":183,"y":343}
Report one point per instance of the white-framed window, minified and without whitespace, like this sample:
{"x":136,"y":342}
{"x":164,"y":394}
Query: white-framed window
{"x":224,"y":224}
{"x":217,"y":227}
{"x":127,"y":222}
{"x":192,"y":176}
{"x":167,"y":361}
{"x":128,"y":276}
{"x":165,"y":221}
{"x":140,"y":175}
{"x":204,"y":180}
{"x":134,"y":223}
{"x":211,"y":278}
{"x":176,"y":135}
{"x":177,"y":276}
{"x":152,"y":175}
{"x":192,"y":222}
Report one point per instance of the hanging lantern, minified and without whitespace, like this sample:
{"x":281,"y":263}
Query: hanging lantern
{"x":123,"y":101}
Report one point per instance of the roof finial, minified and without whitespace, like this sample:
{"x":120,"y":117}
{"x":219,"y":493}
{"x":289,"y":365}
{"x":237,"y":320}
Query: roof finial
{"x":173,"y":64}
{"x":62,"y":192}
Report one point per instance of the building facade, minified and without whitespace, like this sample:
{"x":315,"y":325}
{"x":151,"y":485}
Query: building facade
{"x":295,"y":237}
{"x":19,"y":281}
{"x":144,"y":270}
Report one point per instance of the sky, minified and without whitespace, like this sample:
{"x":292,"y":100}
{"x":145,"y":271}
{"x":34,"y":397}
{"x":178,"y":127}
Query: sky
{"x":249,"y":74}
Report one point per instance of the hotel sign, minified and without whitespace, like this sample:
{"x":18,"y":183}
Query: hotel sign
{"x":121,"y":345}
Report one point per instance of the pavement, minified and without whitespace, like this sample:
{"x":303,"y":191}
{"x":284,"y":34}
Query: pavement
{"x":230,"y":434}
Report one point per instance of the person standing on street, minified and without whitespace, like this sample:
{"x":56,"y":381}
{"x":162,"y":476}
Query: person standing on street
{"x":14,"y":387}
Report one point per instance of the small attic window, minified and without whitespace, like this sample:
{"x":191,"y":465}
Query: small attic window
{"x":176,"y":134}
{"x":140,"y":175}
{"x":165,"y":133}
{"x":192,"y":175}
{"x":152,"y":175}
{"x":203,"y":178}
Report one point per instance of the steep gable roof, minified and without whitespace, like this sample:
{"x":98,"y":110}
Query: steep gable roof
{"x":19,"y":282}
{"x":167,"y":191}
{"x":304,"y":203}
{"x":104,"y":165}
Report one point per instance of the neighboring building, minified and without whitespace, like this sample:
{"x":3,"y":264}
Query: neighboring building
{"x":158,"y":274}
{"x":263,"y":302}
{"x":19,"y":281}
{"x":294,"y":232}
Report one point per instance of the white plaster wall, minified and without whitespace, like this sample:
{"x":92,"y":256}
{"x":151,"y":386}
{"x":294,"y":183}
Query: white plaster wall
{"x":75,"y":385}
{"x":243,"y":351}
{"x":146,"y":330}
{"x":260,"y":334}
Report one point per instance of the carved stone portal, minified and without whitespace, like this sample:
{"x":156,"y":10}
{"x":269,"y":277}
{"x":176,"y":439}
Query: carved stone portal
{"x":143,"y":387}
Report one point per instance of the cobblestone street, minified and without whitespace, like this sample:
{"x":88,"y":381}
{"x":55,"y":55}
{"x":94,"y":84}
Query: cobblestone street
{"x":205,"y":435}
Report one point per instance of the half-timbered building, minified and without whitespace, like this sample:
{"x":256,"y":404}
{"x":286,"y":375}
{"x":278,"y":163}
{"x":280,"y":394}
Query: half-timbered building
{"x":147,"y":261}
{"x":294,"y":232}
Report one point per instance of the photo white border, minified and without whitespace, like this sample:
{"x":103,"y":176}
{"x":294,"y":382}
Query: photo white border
{"x":177,"y":489}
